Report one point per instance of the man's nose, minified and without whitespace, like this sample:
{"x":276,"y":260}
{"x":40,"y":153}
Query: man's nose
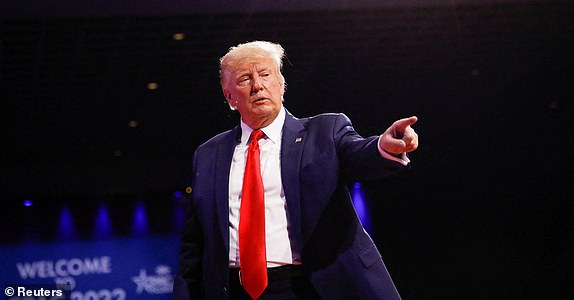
{"x":257,"y":84}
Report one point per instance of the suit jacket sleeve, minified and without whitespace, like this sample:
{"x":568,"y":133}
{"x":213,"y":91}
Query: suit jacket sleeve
{"x":360,"y":157}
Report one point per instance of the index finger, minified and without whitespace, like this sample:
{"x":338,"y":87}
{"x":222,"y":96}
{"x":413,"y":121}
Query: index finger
{"x":403,"y":123}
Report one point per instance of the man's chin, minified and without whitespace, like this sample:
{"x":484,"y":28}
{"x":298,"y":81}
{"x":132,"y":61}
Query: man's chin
{"x":263,"y":108}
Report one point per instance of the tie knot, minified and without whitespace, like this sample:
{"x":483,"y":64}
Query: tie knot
{"x":256,"y":135}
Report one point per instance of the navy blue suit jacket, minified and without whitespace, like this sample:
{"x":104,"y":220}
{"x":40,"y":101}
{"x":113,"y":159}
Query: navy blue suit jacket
{"x":319,"y":157}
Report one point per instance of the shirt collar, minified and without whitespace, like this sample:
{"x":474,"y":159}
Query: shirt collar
{"x":272,"y":131}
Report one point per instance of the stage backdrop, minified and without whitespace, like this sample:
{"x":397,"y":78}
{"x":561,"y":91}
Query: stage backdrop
{"x":112,"y":269}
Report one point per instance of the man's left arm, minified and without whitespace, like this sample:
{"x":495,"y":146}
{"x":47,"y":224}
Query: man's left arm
{"x":373,"y":157}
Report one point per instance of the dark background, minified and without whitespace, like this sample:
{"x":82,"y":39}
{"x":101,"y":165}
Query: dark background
{"x":486,"y":211}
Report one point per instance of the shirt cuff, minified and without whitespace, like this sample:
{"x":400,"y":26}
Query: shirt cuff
{"x":402,"y":159}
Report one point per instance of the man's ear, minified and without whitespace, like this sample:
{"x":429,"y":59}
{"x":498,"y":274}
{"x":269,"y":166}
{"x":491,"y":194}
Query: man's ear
{"x":226,"y":94}
{"x":232,"y":104}
{"x":282,"y":82}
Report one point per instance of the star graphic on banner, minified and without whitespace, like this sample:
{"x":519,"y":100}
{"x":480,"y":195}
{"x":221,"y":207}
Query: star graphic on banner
{"x":140,"y":281}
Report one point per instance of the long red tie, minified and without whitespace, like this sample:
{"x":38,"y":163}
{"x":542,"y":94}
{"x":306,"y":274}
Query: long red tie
{"x":252,"y":254}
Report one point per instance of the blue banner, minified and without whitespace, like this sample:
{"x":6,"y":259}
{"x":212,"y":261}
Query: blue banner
{"x":114,"y":269}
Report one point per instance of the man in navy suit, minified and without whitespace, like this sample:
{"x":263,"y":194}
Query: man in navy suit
{"x":316,"y":247}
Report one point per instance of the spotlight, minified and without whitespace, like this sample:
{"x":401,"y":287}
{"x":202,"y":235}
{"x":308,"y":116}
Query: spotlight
{"x":140,"y":224}
{"x":359,"y":202}
{"x":178,"y":36}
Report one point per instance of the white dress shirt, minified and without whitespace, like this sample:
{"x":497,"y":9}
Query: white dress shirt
{"x":279,"y":250}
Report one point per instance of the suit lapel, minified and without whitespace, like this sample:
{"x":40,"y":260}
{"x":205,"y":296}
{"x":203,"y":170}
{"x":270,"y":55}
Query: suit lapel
{"x":291,"y":150}
{"x":222,"y":161}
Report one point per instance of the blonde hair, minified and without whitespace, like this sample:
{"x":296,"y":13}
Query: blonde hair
{"x":255,"y":49}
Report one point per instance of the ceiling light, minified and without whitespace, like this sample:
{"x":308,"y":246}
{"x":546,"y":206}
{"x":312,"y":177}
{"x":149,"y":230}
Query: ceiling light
{"x":152,"y":86}
{"x":178,"y":36}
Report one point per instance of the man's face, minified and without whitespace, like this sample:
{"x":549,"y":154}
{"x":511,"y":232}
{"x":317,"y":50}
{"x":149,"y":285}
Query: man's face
{"x":255,"y":88}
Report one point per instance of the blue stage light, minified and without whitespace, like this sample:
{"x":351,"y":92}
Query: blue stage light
{"x":360,"y":206}
{"x":28,"y":203}
{"x":66,"y":230}
{"x":140,"y":225}
{"x":103,"y":223}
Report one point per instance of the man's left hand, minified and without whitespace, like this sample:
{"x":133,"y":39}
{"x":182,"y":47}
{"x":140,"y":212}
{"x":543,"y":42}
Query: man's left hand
{"x":400,"y":137}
